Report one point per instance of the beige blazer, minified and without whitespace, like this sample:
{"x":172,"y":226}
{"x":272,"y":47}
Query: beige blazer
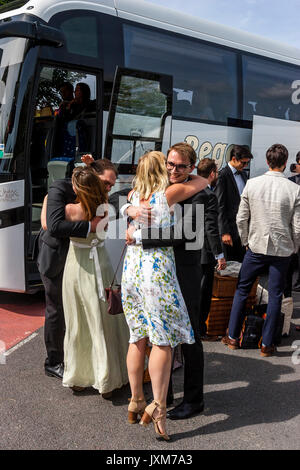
{"x":268,"y":218}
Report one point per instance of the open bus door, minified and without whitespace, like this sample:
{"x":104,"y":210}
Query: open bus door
{"x":139,"y":117}
{"x":139,"y":120}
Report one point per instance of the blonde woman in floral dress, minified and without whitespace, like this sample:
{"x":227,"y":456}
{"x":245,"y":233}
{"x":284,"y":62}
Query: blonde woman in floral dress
{"x":153,"y":304}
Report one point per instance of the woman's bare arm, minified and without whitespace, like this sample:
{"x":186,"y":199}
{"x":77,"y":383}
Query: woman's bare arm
{"x":178,"y":192}
{"x":74,"y":213}
{"x":44,"y":213}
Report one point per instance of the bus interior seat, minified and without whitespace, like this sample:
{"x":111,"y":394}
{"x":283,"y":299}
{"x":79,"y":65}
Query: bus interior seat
{"x":57,"y":169}
{"x":182,"y":108}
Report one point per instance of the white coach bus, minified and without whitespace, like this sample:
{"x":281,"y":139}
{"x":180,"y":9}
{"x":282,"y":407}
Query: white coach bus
{"x":151,"y":77}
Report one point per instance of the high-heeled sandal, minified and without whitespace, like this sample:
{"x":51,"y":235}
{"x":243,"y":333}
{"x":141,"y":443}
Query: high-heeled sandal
{"x":135,"y":408}
{"x":148,"y":416}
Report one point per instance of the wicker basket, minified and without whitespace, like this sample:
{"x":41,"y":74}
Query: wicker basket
{"x":218,"y":318}
{"x":225,"y":286}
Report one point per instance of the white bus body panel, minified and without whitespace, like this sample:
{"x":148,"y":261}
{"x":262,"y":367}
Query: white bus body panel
{"x":12,"y":272}
{"x":45,"y":9}
{"x":172,"y":20}
{"x":209,"y":140}
{"x":268,"y":131}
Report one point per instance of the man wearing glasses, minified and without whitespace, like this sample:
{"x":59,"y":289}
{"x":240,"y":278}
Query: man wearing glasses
{"x":230,"y":185}
{"x":181,"y":160}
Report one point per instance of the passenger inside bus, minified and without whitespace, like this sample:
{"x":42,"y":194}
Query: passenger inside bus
{"x":181,"y":105}
{"x":201,"y":108}
{"x":71,"y":130}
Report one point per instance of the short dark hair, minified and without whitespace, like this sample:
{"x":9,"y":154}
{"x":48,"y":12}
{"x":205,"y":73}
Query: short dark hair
{"x":99,"y":166}
{"x":66,"y":85}
{"x":277,"y":156}
{"x":206,"y":166}
{"x":185,"y":150}
{"x":239,"y":152}
{"x":298,"y":157}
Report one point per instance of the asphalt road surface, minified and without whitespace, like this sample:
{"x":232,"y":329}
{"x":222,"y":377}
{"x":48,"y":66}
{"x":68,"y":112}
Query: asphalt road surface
{"x":250,"y":402}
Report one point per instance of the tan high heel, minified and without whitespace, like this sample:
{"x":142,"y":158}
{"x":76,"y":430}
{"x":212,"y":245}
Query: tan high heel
{"x":148,"y":416}
{"x":135,"y":408}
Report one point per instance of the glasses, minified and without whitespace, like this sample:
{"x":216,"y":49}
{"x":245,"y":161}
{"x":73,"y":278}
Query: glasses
{"x":180,"y":168}
{"x":244,"y":163}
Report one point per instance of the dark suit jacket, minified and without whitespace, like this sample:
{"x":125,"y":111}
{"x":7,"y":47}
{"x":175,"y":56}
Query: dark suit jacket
{"x":118,"y":198}
{"x":54,"y":242}
{"x":295,"y":179}
{"x":212,"y":242}
{"x":229,"y":201}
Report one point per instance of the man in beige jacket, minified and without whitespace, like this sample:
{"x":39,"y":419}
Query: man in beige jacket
{"x":268,"y":222}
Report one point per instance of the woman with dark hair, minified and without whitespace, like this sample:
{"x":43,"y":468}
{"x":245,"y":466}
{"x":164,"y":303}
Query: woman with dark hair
{"x":96,"y":343}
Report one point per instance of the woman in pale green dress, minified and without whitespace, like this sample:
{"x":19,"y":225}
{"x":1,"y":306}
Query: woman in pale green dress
{"x":96,"y":343}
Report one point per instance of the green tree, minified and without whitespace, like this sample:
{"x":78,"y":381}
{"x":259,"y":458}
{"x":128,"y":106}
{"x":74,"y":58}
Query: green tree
{"x":11,"y":4}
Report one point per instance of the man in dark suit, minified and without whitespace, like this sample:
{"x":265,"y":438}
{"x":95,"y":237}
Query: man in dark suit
{"x":53,"y":249}
{"x":231,"y":182}
{"x":295,"y":259}
{"x":181,"y":161}
{"x":211,"y":253}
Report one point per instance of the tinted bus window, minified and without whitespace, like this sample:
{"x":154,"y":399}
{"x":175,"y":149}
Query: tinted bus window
{"x":82,"y":35}
{"x":204,"y":76}
{"x":268,"y":89}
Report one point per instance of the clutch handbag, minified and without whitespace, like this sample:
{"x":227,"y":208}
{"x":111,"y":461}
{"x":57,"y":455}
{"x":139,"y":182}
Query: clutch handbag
{"x":113,"y":294}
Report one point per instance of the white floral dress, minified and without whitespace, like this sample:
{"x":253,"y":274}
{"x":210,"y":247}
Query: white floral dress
{"x":151,"y":296}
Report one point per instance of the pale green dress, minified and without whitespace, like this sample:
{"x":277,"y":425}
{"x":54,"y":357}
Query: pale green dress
{"x":96,"y":343}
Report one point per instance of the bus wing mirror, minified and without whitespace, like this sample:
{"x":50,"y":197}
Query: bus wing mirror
{"x":39,"y":33}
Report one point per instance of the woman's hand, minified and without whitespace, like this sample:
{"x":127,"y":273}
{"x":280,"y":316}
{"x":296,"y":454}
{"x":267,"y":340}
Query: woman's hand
{"x":129,"y":235}
{"x":140,"y":213}
{"x":87,"y":159}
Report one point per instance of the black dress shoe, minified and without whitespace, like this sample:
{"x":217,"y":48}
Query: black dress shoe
{"x":185,"y":410}
{"x":170,"y":399}
{"x":55,"y":371}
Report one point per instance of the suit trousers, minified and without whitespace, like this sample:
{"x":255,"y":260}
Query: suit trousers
{"x":206,"y":288}
{"x":235,"y":252}
{"x":253,"y":265}
{"x":54,"y":329}
{"x":189,"y":277}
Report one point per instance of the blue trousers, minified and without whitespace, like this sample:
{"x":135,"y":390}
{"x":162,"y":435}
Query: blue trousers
{"x":253,"y":265}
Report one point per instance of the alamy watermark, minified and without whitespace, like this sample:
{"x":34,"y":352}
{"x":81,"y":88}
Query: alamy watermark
{"x":2,"y":353}
{"x":296,"y":354}
{"x":187,"y":225}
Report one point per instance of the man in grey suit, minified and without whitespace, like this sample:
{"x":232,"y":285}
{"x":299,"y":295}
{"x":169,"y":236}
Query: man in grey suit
{"x":268,"y":221}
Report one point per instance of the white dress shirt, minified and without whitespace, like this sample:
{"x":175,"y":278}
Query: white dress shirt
{"x":238,"y":179}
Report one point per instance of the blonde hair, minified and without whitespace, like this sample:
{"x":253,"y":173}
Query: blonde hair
{"x":89,"y":189}
{"x":151,"y":174}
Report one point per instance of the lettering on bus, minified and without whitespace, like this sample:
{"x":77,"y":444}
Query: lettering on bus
{"x":9,"y":195}
{"x":220,"y":152}
{"x":296,"y":94}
